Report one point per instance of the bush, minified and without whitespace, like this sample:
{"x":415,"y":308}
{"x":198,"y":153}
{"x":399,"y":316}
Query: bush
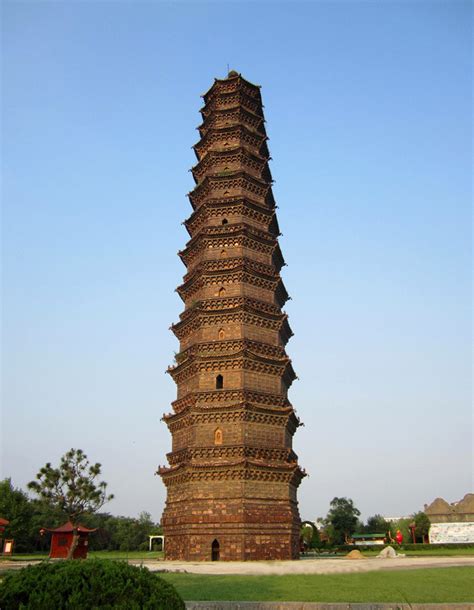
{"x":85,"y":585}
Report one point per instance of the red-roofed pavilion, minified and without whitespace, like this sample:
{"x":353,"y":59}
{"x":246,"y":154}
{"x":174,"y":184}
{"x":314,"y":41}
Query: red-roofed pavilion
{"x":62,"y":538}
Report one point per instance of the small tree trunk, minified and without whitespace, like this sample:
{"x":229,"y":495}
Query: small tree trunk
{"x":75,"y":542}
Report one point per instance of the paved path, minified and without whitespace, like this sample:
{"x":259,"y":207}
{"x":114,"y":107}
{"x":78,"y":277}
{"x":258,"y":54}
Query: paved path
{"x":307,"y":566}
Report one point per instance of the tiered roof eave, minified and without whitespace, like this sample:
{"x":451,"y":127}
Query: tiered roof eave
{"x":226,"y":232}
{"x":259,"y":140}
{"x":241,"y":205}
{"x":239,"y":469}
{"x":255,"y":121}
{"x":198,"y":317}
{"x":232,"y":77}
{"x":216,"y":156}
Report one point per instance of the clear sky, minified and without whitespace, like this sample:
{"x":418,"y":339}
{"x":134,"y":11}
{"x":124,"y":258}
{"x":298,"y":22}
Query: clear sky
{"x":368,"y":112}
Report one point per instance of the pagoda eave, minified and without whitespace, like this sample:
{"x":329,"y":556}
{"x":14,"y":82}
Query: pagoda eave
{"x":245,"y":353}
{"x":210,"y":397}
{"x":198,"y":316}
{"x":244,"y":467}
{"x":246,"y":411}
{"x":231,"y":84}
{"x":240,"y":205}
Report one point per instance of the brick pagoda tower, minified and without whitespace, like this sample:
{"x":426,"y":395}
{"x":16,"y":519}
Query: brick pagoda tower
{"x":233,"y":475}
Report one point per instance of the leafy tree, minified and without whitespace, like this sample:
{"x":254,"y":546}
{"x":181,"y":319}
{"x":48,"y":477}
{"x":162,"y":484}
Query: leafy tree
{"x":330,"y":535}
{"x":120,"y":533}
{"x":18,"y":509}
{"x":404,"y":526}
{"x":26,"y":518}
{"x":343,"y":516}
{"x":422,"y":525}
{"x":71,"y":488}
{"x":376,"y":525}
{"x":310,"y":534}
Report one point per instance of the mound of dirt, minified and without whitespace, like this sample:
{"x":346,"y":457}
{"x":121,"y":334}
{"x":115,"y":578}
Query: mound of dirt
{"x":355,"y":554}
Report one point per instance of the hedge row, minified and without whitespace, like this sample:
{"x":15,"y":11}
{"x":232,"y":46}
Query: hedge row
{"x":86,"y":585}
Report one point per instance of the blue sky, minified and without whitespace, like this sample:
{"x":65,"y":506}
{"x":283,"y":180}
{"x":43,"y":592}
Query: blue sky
{"x":368,"y":112}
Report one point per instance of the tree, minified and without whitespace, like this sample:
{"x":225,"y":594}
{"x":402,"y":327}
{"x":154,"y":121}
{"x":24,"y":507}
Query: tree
{"x":72,"y":488}
{"x":422,"y":525}
{"x":343,"y":516}
{"x":404,"y":526}
{"x":18,"y":509}
{"x":310,"y":534}
{"x":376,"y":525}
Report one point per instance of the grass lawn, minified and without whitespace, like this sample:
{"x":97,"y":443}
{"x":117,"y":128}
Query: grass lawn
{"x":138,"y":555}
{"x":438,"y":585}
{"x":125,"y":555}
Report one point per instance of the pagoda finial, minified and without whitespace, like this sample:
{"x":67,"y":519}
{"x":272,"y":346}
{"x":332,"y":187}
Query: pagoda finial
{"x":232,"y":74}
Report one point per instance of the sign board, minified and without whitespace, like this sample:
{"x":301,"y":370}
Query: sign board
{"x":445,"y":533}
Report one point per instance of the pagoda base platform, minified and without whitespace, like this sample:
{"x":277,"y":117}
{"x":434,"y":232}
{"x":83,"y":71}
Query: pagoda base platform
{"x":227,"y":545}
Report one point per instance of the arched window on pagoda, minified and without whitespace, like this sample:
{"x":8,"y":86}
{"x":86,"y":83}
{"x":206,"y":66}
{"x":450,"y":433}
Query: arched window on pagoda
{"x":223,"y":252}
{"x":221,"y":333}
{"x":218,"y":437}
{"x":219,"y":382}
{"x":221,"y":292}
{"x":224,"y":220}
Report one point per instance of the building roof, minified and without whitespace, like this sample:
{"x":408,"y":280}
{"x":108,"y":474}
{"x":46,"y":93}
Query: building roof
{"x":466,"y":505}
{"x":439,"y":507}
{"x":4,"y":521}
{"x":440,"y":510}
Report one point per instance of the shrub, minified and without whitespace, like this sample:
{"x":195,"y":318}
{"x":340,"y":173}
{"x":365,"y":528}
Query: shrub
{"x":85,"y":585}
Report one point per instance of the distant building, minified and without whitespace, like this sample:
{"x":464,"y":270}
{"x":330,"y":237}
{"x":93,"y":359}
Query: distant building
{"x":368,"y":539}
{"x":451,"y":523}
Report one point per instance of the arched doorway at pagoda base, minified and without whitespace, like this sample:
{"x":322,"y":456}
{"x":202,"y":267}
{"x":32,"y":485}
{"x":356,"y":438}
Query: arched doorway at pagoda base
{"x":215,"y":551}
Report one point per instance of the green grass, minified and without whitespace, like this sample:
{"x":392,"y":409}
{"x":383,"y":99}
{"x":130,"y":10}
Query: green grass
{"x":438,"y":585}
{"x":137,"y":555}
{"x":125,"y":555}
